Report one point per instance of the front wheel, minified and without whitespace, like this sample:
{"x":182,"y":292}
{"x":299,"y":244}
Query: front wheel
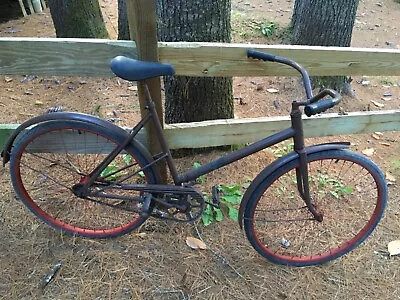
{"x":51,"y":159}
{"x":348,"y":189}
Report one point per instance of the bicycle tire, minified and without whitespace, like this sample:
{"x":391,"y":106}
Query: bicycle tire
{"x":50,"y":158}
{"x":279,"y":227}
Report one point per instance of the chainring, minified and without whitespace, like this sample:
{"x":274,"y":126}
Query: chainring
{"x":186,"y":206}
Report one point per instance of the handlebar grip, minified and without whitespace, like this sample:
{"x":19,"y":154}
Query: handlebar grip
{"x":318,"y":107}
{"x":260,"y":55}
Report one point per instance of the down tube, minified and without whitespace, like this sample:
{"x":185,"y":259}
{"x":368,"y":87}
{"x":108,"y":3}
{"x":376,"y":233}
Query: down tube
{"x":236,"y":155}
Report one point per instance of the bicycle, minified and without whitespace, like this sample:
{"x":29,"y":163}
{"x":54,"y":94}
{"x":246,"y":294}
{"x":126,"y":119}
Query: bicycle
{"x":88,"y":177}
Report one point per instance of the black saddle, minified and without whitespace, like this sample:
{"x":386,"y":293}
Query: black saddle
{"x":134,"y":70}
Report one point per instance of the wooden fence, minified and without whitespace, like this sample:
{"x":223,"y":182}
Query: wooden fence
{"x":87,"y":57}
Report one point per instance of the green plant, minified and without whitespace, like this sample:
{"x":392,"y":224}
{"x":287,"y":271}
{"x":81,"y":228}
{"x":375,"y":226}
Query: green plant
{"x":112,"y":171}
{"x":211,"y":213}
{"x":230,"y":197}
{"x":267,"y":28}
{"x":387,"y":81}
{"x":237,"y":147}
{"x":396,"y":163}
{"x":282,"y":149}
{"x":331,"y":185}
{"x":202,"y":178}
{"x":97,"y":110}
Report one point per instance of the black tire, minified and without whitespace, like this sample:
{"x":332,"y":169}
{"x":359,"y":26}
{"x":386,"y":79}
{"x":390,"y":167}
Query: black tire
{"x":347,"y":188}
{"x":49,"y":159}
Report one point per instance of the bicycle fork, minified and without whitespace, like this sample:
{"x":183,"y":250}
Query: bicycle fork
{"x":303,"y":185}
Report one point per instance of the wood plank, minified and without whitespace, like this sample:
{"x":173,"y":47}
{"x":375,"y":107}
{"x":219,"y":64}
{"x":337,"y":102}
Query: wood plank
{"x":89,"y":57}
{"x":215,"y":59}
{"x":62,"y":57}
{"x":243,"y":131}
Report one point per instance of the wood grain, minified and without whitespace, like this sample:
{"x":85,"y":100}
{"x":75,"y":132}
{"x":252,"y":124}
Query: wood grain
{"x":89,"y":57}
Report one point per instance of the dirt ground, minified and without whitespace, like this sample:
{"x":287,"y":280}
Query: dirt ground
{"x":157,"y":264}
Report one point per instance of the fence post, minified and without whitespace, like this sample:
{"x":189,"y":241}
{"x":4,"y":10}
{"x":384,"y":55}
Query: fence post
{"x":143,"y":29}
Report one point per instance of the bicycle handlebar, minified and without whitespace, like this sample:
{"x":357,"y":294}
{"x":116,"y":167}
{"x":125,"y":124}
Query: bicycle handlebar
{"x":260,"y":55}
{"x":312,"y":106}
{"x":315,"y":106}
{"x":270,"y":57}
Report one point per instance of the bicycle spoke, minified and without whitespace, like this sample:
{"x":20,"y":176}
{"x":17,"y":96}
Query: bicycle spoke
{"x":342,"y":190}
{"x":72,"y":169}
{"x":48,"y":177}
{"x":45,"y":182}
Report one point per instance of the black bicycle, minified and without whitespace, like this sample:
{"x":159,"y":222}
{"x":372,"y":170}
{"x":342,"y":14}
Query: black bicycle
{"x":88,"y":177}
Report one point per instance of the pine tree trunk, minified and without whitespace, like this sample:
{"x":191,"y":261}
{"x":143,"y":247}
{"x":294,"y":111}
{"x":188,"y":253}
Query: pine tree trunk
{"x":296,"y":10}
{"x":190,"y":99}
{"x":123,"y":27}
{"x":78,"y":19}
{"x":324,"y":23}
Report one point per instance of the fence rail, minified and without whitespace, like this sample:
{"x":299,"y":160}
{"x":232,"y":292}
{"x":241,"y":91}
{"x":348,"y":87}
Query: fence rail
{"x":90,"y":57}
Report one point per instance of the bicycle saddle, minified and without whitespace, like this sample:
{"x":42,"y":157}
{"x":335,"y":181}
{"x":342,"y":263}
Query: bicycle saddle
{"x":134,"y":70}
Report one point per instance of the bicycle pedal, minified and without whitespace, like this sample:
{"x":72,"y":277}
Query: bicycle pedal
{"x":146,"y":206}
{"x":215,"y":196}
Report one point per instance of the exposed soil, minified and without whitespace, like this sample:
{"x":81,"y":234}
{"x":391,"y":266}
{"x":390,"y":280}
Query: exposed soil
{"x":157,"y":264}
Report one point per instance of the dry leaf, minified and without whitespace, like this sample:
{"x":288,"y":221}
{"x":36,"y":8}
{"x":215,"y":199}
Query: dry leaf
{"x":378,"y":133}
{"x":38,"y":102}
{"x":377,"y":104}
{"x":386,"y":98}
{"x":368,"y":152}
{"x":365,"y":82}
{"x":385,"y":144}
{"x":375,"y":136}
{"x":132,"y":88}
{"x":141,"y":234}
{"x":394,"y":247}
{"x":272,"y":90}
{"x":195,"y":243}
{"x":390,"y":177}
{"x":8,"y":78}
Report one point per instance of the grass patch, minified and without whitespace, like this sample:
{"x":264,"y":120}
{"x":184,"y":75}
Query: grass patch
{"x":244,"y":28}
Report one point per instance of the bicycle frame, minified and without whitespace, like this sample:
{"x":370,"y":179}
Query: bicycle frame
{"x":295,"y":132}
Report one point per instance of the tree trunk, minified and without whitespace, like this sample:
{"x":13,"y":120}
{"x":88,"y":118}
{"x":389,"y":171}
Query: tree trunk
{"x":296,"y":10}
{"x":324,"y":23}
{"x":123,"y":26}
{"x":190,"y":99}
{"x":78,"y":19}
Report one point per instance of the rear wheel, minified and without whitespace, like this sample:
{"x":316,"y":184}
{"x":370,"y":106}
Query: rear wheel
{"x":348,"y":189}
{"x":50,"y":159}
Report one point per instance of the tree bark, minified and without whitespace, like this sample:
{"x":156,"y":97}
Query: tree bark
{"x":324,"y":23}
{"x":123,"y":26}
{"x":190,"y":99}
{"x":78,"y":19}
{"x":296,"y":10}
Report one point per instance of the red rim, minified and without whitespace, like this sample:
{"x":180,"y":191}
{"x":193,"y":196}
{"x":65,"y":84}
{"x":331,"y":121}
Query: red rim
{"x":333,"y":253}
{"x":58,"y":223}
